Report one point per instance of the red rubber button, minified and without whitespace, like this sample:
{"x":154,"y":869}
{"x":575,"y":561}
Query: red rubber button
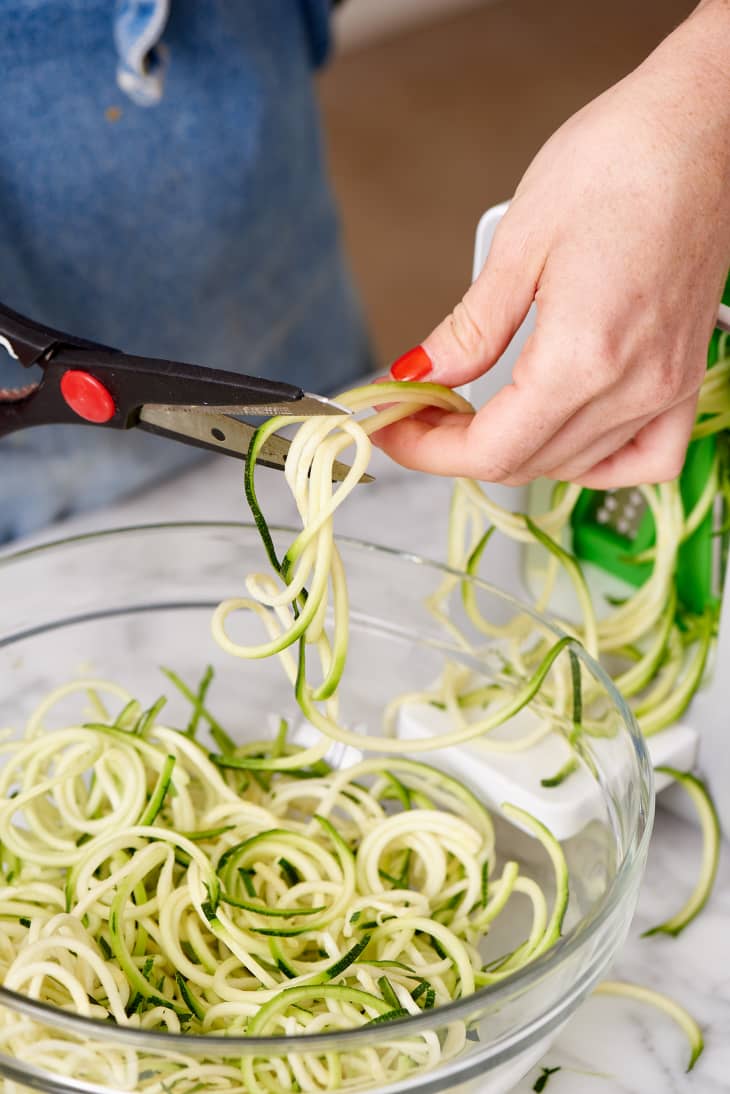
{"x":87,"y":396}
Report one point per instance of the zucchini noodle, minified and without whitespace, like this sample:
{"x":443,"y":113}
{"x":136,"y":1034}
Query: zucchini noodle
{"x":655,"y":650}
{"x":307,"y":589}
{"x":254,"y":890}
{"x":148,"y":882}
{"x":638,"y":994}
{"x":656,"y":653}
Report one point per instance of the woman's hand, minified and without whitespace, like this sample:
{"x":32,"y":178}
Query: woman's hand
{"x":620,"y":231}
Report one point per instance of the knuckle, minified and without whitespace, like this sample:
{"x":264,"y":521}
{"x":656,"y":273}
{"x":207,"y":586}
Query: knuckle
{"x":611,"y":372}
{"x":594,"y":366}
{"x":492,"y":471}
{"x":512,"y":241}
{"x":671,"y":378}
{"x":668,"y":385}
{"x":465,"y":327}
{"x":598,"y":358}
{"x":605,"y":360}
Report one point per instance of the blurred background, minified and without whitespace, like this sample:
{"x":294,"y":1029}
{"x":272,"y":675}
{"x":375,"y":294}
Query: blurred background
{"x":434,"y":108}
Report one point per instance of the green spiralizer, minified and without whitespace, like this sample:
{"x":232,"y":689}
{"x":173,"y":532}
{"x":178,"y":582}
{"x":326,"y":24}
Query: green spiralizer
{"x":614,"y":529}
{"x":612,"y":532}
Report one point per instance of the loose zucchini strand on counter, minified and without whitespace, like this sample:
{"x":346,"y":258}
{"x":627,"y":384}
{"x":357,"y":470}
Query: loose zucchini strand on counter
{"x":663,"y":1003}
{"x":711,"y":842}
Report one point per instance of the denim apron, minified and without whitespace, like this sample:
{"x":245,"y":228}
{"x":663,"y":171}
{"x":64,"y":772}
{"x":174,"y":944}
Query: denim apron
{"x":162,"y":190}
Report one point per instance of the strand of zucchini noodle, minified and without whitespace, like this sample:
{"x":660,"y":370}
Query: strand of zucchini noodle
{"x":660,"y":677}
{"x":145,"y":884}
{"x":656,"y":660}
{"x":656,"y":656}
{"x":293,"y":602}
{"x":143,"y":874}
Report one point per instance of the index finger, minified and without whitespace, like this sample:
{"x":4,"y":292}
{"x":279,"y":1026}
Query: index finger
{"x":494,"y":443}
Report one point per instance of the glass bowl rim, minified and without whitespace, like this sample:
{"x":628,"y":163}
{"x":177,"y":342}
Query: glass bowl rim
{"x":458,"y":1009}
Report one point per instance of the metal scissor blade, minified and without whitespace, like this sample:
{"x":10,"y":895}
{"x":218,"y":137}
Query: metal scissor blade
{"x":308,"y":405}
{"x":219,"y":433}
{"x":312,"y":405}
{"x":214,"y":431}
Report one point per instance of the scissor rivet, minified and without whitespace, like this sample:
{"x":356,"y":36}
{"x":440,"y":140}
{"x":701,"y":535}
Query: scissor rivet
{"x":87,"y":396}
{"x":218,"y":434}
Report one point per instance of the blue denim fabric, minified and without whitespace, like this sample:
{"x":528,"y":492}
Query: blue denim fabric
{"x":201,"y":228}
{"x":138,"y":27}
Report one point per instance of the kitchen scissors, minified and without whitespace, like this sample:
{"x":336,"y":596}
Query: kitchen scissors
{"x":85,"y":383}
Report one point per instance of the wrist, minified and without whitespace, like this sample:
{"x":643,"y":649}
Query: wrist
{"x":689,"y":74}
{"x":695,"y":60}
{"x":706,"y":35}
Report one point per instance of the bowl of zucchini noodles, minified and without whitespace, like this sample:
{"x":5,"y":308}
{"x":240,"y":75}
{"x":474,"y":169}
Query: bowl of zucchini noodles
{"x":220,"y":875}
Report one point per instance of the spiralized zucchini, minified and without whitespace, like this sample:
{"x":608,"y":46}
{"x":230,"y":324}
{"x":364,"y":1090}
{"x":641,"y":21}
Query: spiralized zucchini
{"x":636,"y":993}
{"x":146,"y":884}
{"x":655,"y":651}
{"x":303,"y":602}
{"x":255,"y":891}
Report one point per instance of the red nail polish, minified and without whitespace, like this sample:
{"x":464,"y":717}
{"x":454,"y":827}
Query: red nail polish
{"x":414,"y":365}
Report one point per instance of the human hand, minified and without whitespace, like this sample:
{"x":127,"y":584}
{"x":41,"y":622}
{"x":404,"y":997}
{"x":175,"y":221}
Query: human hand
{"x":620,"y":231}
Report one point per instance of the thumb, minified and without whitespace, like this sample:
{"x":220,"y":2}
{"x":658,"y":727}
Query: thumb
{"x":476,"y":333}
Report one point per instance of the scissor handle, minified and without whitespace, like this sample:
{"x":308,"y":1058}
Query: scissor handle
{"x":86,"y":382}
{"x":32,"y":343}
{"x":121,"y":385}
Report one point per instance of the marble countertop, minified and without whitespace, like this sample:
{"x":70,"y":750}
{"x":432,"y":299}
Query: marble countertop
{"x":610,"y":1046}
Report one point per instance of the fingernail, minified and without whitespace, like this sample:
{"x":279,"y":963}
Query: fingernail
{"x":414,"y":365}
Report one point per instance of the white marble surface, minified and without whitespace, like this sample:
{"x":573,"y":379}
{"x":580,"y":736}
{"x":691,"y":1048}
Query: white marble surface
{"x":610,"y":1047}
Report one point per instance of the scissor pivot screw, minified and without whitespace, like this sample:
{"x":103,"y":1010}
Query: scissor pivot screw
{"x":87,"y":396}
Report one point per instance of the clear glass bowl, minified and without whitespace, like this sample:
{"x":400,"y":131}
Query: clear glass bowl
{"x":121,"y":604}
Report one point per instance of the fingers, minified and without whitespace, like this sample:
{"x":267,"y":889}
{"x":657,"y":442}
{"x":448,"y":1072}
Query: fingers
{"x":472,"y":338}
{"x":483,"y":447}
{"x":491,"y":444}
{"x":571,"y":469}
{"x":505,"y":433}
{"x":580,"y":464}
{"x":422,"y":443}
{"x":624,"y":386}
{"x":656,"y":453}
{"x":595,"y":432}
